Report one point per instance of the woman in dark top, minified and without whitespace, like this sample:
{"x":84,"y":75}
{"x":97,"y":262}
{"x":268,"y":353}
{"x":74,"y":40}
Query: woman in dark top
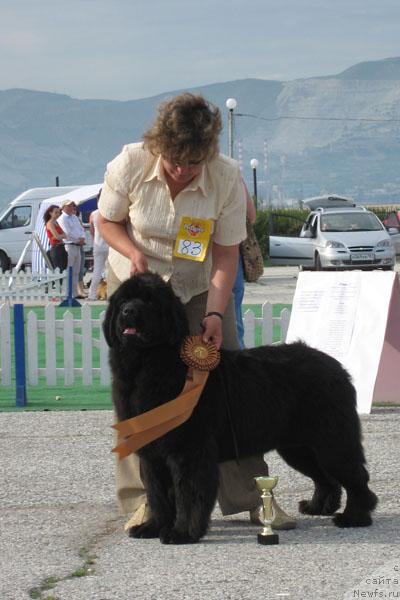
{"x":57,"y":252}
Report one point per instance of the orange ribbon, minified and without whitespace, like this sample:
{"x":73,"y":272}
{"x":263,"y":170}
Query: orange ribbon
{"x":149,"y":426}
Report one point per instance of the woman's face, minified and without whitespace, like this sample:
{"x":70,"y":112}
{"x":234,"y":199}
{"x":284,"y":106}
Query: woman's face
{"x":182,"y":173}
{"x":55,"y":213}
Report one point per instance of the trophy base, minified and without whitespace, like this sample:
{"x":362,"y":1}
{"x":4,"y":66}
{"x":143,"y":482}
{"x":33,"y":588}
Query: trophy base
{"x":268,"y":540}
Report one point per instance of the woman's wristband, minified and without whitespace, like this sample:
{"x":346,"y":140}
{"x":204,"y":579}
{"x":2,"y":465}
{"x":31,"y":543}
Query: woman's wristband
{"x":214,"y":312}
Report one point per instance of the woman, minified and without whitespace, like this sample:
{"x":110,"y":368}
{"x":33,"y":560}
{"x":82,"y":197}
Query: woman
{"x":57,"y":254}
{"x":174,"y":205}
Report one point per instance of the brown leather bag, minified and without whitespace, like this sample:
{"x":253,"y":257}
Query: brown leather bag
{"x":253,"y":262}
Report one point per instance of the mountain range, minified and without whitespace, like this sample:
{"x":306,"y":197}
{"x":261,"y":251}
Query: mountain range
{"x":336,"y":134}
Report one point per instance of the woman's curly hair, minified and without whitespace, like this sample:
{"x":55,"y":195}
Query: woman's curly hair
{"x":186,"y":129}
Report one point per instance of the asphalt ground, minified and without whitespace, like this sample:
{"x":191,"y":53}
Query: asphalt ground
{"x":277,"y":285}
{"x":59,"y":524}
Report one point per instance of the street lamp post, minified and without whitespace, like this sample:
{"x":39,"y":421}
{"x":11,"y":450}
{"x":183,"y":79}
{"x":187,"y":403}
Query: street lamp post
{"x":231,"y":104}
{"x":254,"y":165}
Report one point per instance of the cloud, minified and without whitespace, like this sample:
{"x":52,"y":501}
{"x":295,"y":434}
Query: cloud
{"x":20,"y":42}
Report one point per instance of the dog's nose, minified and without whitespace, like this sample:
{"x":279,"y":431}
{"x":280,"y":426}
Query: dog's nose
{"x":127,"y":310}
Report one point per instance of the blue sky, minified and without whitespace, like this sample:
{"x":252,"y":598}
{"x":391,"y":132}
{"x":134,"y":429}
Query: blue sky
{"x":126,"y":49}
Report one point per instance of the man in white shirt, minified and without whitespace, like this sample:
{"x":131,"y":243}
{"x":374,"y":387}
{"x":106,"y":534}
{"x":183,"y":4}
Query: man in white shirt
{"x":75,"y":232}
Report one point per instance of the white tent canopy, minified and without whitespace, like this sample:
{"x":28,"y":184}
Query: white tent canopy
{"x":81,"y":196}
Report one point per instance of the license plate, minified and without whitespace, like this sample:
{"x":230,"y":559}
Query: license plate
{"x":362,"y":256}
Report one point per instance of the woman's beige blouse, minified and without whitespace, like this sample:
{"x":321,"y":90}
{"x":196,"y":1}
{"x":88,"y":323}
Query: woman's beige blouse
{"x":135,"y":189}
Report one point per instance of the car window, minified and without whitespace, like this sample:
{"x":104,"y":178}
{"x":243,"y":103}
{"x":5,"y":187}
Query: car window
{"x":350,"y":221}
{"x":19,"y":216}
{"x":309,"y":220}
{"x":392,"y":221}
{"x":314,"y":225}
{"x":309,"y":228}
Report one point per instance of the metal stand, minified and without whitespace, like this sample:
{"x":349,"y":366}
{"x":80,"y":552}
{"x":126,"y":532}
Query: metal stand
{"x":19,"y":353}
{"x":70,"y":300}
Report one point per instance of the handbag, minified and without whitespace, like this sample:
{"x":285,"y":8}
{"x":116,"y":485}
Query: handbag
{"x":253,"y":262}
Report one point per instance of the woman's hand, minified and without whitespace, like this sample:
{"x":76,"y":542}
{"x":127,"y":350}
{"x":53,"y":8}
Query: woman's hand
{"x":212,"y":330}
{"x":138,"y":263}
{"x":116,"y":236}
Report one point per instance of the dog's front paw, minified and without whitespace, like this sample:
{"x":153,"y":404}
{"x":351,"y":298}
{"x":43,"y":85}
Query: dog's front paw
{"x":147,"y":530}
{"x":173,"y":536}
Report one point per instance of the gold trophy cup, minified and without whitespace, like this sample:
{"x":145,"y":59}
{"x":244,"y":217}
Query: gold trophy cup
{"x":265,"y":485}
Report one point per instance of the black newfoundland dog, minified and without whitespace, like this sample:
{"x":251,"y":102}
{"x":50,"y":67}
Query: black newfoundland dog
{"x":288,"y":397}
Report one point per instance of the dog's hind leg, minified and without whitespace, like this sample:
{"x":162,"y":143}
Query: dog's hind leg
{"x":361,"y":501}
{"x":327,"y":492}
{"x":195,"y":486}
{"x":158,"y":481}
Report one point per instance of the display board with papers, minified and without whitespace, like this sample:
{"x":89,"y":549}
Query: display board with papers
{"x":353,"y":316}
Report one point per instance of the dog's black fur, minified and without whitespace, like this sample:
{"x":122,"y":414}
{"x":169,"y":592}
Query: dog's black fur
{"x":289,"y":397}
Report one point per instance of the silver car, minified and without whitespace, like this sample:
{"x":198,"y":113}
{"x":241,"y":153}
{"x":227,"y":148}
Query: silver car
{"x":336,"y":235}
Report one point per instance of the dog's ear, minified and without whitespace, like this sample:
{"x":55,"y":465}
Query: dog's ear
{"x":109,"y":323}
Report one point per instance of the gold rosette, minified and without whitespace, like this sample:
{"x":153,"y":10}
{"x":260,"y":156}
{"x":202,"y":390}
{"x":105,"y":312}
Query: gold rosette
{"x":198,"y":354}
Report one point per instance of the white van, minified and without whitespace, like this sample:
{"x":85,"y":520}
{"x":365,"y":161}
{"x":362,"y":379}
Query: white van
{"x":17,"y":222}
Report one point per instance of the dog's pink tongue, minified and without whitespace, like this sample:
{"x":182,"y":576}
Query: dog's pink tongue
{"x":130,"y":331}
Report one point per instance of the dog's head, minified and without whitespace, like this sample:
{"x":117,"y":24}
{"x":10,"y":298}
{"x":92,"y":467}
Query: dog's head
{"x":143,"y":313}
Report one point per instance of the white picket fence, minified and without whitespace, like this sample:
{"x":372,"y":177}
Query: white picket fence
{"x":266,"y":322}
{"x":71,"y":331}
{"x":5,"y":344}
{"x":24,"y":286}
{"x":81,"y":331}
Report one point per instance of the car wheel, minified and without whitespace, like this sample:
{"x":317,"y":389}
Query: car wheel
{"x":388,"y":268}
{"x":318,"y":266}
{"x":4,"y":262}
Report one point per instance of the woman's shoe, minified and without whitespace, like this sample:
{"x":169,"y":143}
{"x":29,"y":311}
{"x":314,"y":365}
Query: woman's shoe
{"x":140,"y":516}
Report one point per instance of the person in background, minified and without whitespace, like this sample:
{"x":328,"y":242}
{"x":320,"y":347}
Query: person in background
{"x":153,"y":194}
{"x":238,"y":288}
{"x":57,"y":254}
{"x":81,"y":285}
{"x":75,"y":238}
{"x":100,"y":253}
